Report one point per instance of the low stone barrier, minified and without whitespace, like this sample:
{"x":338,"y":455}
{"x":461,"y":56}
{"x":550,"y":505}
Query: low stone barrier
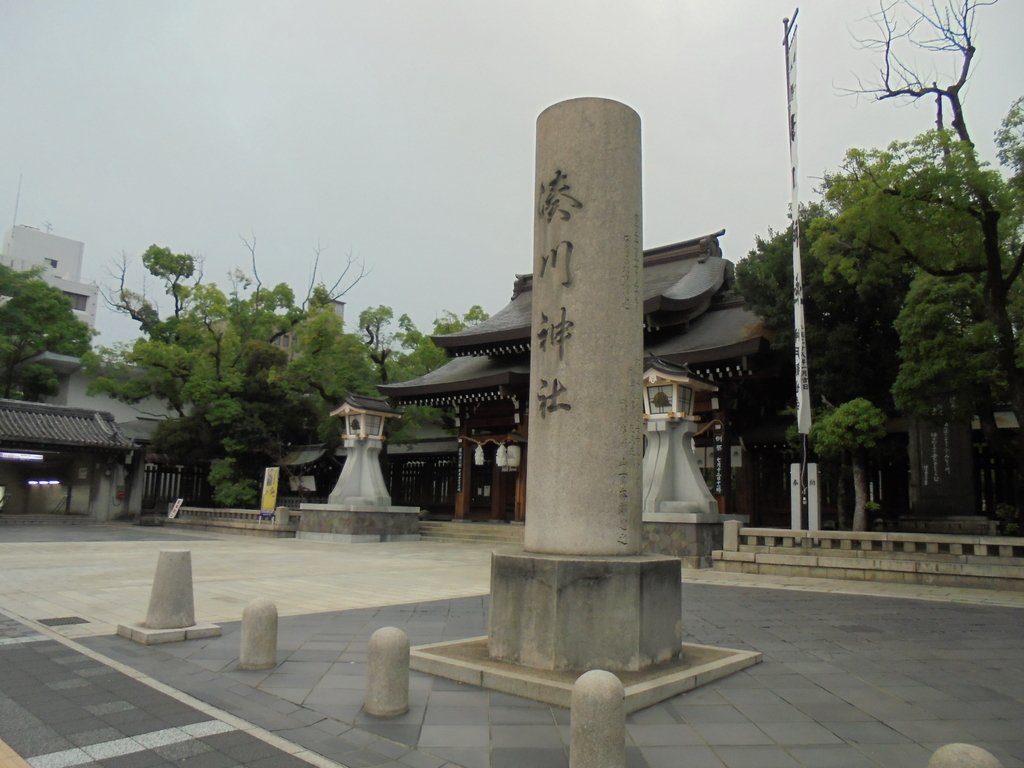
{"x":963,"y":756}
{"x":258,"y":645}
{"x":171,"y":616}
{"x":926,"y":558}
{"x":387,"y":673}
{"x":242,"y":521}
{"x":597,"y":721}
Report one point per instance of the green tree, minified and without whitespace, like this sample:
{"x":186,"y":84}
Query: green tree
{"x":401,"y":352}
{"x":35,"y":318}
{"x":933,"y":210}
{"x":249,"y":372}
{"x":930,"y":210}
{"x":847,"y":433}
{"x":850,"y":335}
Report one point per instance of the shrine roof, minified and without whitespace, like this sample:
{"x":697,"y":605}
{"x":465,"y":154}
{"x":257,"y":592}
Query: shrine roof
{"x":714,"y":346}
{"x":56,"y":427}
{"x":680,"y":281}
{"x":464,"y":378}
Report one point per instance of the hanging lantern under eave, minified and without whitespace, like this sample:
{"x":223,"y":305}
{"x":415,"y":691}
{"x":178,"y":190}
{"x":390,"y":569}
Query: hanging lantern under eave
{"x":513,"y":455}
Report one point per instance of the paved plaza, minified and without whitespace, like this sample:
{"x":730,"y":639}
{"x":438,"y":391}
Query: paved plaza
{"x":854,"y":674}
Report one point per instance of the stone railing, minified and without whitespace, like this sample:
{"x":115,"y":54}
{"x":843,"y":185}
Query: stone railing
{"x":281,"y":522}
{"x":991,"y":562}
{"x":869,"y":541}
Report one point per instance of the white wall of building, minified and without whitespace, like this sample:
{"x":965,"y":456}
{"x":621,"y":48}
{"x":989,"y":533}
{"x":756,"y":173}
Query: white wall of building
{"x":61,"y":260}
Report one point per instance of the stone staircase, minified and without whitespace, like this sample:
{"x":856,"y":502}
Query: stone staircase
{"x":492,"y":534}
{"x":986,"y":562}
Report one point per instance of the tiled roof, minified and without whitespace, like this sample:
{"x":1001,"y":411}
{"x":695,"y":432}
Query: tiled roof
{"x":679,"y":283}
{"x":41,"y":425}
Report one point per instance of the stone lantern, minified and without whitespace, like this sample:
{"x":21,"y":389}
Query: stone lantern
{"x":672,"y":481}
{"x":361,"y":482}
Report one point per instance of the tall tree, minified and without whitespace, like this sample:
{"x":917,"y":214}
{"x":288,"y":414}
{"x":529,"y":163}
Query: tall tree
{"x":933,"y":209}
{"x":248,"y":372}
{"x":850,"y":335}
{"x":35,"y":317}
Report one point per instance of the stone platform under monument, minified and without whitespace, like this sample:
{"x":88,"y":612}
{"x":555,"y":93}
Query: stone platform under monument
{"x":468,"y":661}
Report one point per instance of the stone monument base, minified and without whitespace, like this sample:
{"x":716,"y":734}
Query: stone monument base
{"x":143,"y":635}
{"x":467,"y":661}
{"x":354,"y":524}
{"x":582,"y":612}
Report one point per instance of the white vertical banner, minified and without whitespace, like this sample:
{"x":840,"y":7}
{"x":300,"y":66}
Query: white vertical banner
{"x":803,"y":391}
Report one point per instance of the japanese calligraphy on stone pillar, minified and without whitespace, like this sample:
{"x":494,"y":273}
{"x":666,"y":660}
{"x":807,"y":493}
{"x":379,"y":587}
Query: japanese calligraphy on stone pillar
{"x":556,"y":203}
{"x":556,"y":200}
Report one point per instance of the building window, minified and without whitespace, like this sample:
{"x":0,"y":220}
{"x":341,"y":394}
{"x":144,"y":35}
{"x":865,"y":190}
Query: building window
{"x":78,"y":301}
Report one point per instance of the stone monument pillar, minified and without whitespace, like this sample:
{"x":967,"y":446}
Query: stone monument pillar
{"x":581,"y":596}
{"x":587,"y":332}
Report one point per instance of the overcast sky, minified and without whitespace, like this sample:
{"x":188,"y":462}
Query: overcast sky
{"x":402,"y":131}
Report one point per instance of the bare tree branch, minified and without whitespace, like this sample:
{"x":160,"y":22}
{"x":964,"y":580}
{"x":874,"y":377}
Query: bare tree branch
{"x":945,"y":29}
{"x":250,"y":246}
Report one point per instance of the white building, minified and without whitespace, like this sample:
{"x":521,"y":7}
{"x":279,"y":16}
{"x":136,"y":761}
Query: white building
{"x":61,"y":259}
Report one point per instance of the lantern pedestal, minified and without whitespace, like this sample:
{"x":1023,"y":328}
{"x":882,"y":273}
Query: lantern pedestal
{"x":673,"y":483}
{"x":355,"y":524}
{"x":361,"y":482}
{"x":359,"y":508}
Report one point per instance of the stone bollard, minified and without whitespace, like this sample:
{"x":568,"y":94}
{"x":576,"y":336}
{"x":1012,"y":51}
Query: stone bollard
{"x":171,"y":604}
{"x":281,"y":516}
{"x":731,"y":535}
{"x":259,"y":635}
{"x":387,"y":678}
{"x":597,"y":721}
{"x":963,"y":756}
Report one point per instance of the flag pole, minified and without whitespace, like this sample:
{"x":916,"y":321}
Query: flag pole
{"x":804,"y":487}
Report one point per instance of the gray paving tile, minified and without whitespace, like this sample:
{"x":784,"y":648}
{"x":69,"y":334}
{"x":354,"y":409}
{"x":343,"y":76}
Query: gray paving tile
{"x":520,"y":715}
{"x":866,"y":732}
{"x":787,"y":734}
{"x":732,"y":734}
{"x":445,"y":715}
{"x":465,"y":757}
{"x":674,"y":757}
{"x":755,"y":757}
{"x":711,"y":714}
{"x":662,"y":735}
{"x":536,"y":736}
{"x":529,"y":756}
{"x":897,"y":754}
{"x":455,"y":736}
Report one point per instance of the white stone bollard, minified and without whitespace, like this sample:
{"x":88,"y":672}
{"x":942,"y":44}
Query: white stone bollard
{"x":387,"y":678}
{"x":963,"y":756}
{"x":259,"y":635}
{"x":171,"y":605}
{"x":597,"y":721}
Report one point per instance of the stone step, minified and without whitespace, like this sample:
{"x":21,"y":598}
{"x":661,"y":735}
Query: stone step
{"x":478,"y":533}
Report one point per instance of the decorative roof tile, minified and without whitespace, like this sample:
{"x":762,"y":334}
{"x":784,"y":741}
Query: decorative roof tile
{"x":43,"y":425}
